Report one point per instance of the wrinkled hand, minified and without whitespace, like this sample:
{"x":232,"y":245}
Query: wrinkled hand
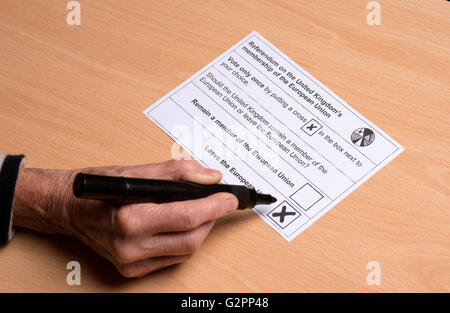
{"x":136,"y":238}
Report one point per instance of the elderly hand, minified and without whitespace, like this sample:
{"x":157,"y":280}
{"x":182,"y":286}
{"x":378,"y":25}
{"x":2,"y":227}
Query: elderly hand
{"x":136,"y":238}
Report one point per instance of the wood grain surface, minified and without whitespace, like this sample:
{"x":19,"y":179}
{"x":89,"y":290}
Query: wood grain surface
{"x":72,"y":96}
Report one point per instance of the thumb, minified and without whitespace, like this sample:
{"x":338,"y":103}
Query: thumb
{"x":202,"y":175}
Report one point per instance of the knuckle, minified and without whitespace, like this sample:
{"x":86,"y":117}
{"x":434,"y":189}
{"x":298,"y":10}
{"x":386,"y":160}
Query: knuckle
{"x":151,"y":246}
{"x":170,"y":163}
{"x":123,"y":222}
{"x":121,"y":251}
{"x":186,"y":165}
{"x":214,"y":204}
{"x":189,"y":219}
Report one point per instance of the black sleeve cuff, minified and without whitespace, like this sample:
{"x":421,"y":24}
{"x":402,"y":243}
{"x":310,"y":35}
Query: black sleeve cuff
{"x":8,"y":177}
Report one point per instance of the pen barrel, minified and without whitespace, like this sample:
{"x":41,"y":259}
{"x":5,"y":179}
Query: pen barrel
{"x":133,"y":190}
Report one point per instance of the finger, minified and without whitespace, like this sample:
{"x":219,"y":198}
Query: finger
{"x":189,"y":214}
{"x":189,"y":170}
{"x":143,"y":267}
{"x":134,"y":220}
{"x":178,"y":243}
{"x":130,"y":250}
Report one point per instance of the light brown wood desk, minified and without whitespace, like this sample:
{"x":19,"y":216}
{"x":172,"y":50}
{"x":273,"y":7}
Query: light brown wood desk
{"x":72,"y":96}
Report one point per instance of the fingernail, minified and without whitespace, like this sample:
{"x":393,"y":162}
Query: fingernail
{"x":214,"y":173}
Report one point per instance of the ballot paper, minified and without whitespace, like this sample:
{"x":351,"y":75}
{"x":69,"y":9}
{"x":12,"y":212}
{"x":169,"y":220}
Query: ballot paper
{"x":266,"y":123}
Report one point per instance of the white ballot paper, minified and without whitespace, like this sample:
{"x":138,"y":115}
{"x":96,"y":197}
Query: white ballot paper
{"x":266,"y":123}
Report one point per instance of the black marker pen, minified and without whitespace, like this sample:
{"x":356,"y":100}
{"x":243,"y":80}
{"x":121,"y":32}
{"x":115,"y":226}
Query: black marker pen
{"x":127,"y":189}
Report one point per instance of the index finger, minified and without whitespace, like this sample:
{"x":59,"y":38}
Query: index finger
{"x":189,"y":214}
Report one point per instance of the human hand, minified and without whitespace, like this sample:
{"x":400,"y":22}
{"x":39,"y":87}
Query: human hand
{"x":137,"y":238}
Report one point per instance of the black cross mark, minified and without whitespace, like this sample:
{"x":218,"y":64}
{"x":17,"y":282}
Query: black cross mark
{"x":282,"y":214}
{"x":311,"y":127}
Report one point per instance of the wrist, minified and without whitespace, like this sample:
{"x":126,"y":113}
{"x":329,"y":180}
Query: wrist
{"x":40,"y":200}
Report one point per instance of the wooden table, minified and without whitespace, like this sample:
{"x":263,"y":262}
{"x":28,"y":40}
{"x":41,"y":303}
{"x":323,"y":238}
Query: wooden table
{"x":72,"y":96}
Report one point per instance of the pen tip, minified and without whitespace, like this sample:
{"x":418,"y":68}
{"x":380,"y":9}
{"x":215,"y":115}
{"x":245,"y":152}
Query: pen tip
{"x":266,"y":199}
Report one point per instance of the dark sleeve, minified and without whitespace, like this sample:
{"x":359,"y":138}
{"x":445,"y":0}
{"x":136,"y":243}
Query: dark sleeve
{"x":9,"y":168}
